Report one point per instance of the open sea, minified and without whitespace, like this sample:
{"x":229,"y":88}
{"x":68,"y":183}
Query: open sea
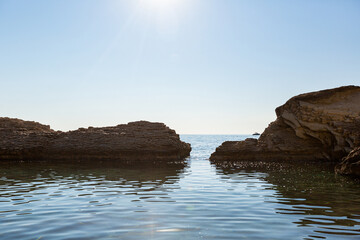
{"x":195,"y":200}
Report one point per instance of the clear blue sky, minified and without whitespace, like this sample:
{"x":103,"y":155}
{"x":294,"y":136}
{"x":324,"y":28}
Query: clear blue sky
{"x":200,"y":66}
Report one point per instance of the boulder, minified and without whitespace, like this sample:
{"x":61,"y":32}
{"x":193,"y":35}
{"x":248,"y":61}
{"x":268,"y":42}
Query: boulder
{"x":322,"y":126}
{"x":350,"y":165}
{"x":135,"y":141}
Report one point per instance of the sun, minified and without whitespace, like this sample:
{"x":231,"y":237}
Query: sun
{"x":166,"y":15}
{"x":160,"y":3}
{"x":161,"y":6}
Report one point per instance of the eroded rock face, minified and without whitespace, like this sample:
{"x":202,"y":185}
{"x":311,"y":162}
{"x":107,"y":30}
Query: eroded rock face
{"x":350,"y":165}
{"x":23,"y":140}
{"x":322,"y":125}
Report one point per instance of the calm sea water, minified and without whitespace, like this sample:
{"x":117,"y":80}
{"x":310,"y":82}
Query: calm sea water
{"x":196,"y":200}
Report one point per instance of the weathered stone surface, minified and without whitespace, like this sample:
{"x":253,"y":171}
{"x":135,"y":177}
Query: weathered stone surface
{"x":322,"y":125}
{"x":350,"y":165}
{"x":23,"y":140}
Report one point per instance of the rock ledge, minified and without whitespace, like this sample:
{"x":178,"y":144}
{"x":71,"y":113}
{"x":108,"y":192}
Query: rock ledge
{"x":135,"y":141}
{"x":322,"y":126}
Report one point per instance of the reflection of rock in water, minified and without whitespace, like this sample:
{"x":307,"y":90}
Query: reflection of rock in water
{"x":111,"y":174}
{"x":320,"y":198}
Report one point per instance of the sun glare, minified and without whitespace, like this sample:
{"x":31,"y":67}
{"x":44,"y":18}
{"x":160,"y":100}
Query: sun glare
{"x":166,"y":14}
{"x":160,"y":4}
{"x":162,"y":7}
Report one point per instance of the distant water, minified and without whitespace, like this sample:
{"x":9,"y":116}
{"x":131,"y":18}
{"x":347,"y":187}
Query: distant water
{"x":183,"y":201}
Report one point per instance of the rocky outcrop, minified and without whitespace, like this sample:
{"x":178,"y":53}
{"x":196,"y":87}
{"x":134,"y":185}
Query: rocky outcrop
{"x":350,"y":165}
{"x":322,"y":125}
{"x":136,"y":141}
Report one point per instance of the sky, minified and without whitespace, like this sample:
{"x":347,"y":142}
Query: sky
{"x":199,"y":66}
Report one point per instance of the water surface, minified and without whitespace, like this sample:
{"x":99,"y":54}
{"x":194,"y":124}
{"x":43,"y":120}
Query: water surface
{"x":192,"y":200}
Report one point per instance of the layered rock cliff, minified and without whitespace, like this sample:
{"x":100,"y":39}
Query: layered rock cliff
{"x":322,"y":125}
{"x":24,"y":140}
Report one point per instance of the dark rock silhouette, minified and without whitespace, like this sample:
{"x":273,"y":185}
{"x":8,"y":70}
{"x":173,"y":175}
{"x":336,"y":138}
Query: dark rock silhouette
{"x":136,"y":141}
{"x":322,"y":125}
{"x":350,"y":165}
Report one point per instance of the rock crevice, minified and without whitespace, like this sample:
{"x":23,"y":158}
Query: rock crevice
{"x":350,"y":165}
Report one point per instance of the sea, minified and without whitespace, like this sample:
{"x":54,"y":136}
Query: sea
{"x":194,"y":199}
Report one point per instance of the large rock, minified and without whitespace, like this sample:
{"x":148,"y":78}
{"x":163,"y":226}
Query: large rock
{"x":350,"y":165}
{"x":322,"y":125}
{"x":24,"y":140}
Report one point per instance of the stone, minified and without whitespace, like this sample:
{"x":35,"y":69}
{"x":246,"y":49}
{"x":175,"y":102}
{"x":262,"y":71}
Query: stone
{"x":135,"y":141}
{"x":350,"y":165}
{"x":322,"y":126}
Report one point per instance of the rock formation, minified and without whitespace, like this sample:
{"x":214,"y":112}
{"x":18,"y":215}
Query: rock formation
{"x":322,"y":125}
{"x":350,"y":165}
{"x":136,"y":141}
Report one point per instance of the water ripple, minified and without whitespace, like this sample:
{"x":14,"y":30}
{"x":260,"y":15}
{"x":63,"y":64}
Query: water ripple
{"x":195,"y":200}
